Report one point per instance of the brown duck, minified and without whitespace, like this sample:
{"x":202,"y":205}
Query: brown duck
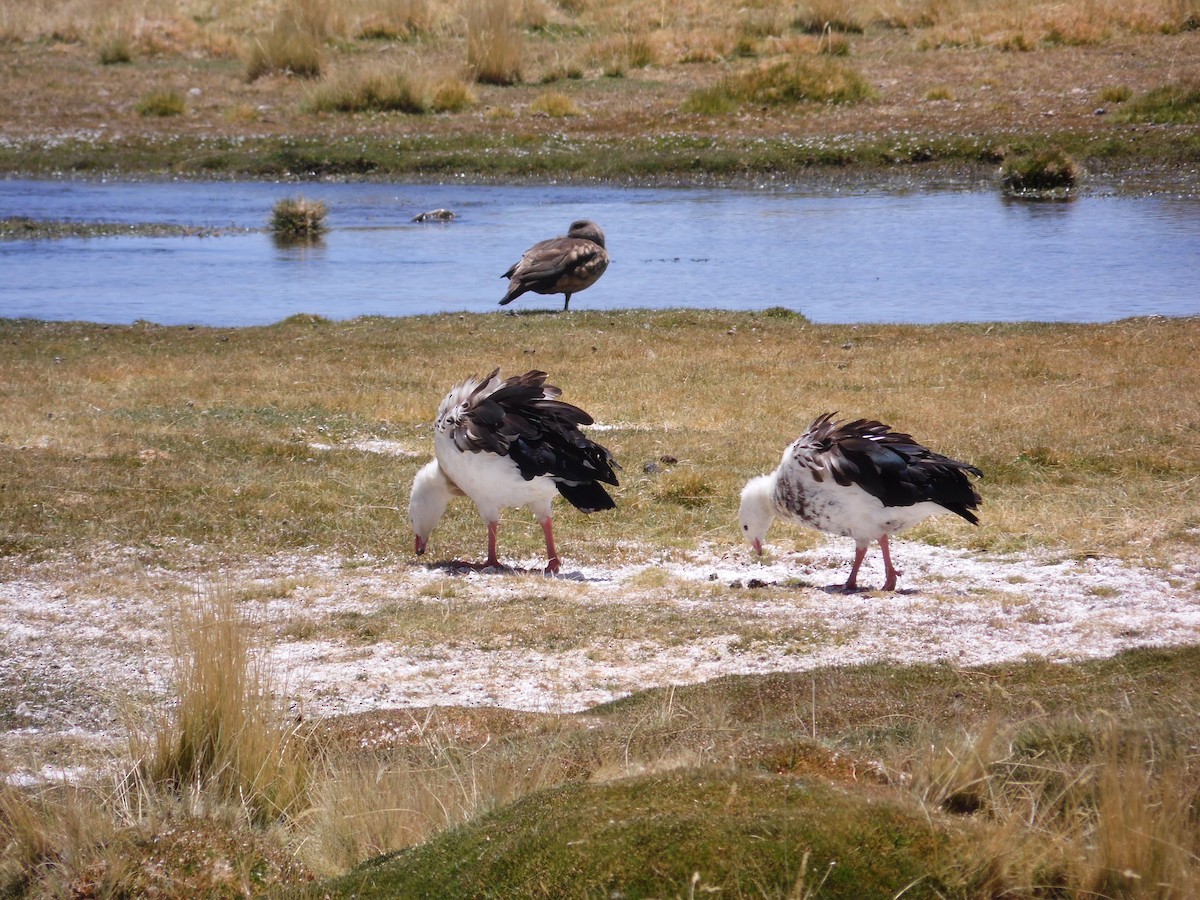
{"x":561,"y":265}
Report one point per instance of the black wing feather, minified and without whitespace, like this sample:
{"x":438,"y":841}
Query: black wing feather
{"x":895,"y":468}
{"x":524,"y":420}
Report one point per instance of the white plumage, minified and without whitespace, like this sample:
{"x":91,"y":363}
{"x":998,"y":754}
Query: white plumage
{"x":507,"y":443}
{"x":861,"y":480}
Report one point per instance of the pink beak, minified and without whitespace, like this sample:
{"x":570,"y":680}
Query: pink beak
{"x":420,"y":544}
{"x":758,"y":547}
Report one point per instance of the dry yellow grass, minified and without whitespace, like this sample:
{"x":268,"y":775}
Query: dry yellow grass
{"x":113,"y":432}
{"x":224,"y":742}
{"x":170,"y":27}
{"x":664,"y":53}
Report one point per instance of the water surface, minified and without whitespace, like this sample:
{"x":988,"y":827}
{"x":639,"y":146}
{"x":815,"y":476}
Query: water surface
{"x":836,"y":257}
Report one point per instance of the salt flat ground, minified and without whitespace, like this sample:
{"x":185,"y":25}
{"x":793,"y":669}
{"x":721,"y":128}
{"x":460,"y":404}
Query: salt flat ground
{"x":358,"y":635}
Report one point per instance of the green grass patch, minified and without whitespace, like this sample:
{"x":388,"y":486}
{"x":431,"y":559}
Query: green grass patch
{"x":733,"y":159}
{"x":554,"y":104}
{"x":1174,"y":104}
{"x":373,"y":89}
{"x":683,"y":834}
{"x":161,"y":104}
{"x":782,"y":83}
{"x":928,"y":781}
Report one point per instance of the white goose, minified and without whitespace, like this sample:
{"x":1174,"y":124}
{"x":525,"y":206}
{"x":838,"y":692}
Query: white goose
{"x":859,"y":479}
{"x":510,"y":443}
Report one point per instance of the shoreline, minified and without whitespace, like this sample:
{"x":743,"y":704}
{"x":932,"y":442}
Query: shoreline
{"x":830,"y":163}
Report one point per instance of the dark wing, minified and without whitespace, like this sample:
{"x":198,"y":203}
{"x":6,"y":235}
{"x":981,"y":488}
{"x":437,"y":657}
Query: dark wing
{"x":524,"y":420}
{"x":549,"y":267}
{"x":895,"y":468}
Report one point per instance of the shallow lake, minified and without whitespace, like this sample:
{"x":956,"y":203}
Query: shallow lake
{"x":834,"y":256}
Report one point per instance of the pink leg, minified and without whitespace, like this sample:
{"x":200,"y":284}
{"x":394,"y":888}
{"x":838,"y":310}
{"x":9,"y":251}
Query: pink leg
{"x":492,"y":560}
{"x":552,"y":562}
{"x":860,"y":552}
{"x":889,"y":571}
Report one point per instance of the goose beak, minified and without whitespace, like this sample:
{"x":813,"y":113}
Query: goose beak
{"x":758,"y":546}
{"x":419,"y":545}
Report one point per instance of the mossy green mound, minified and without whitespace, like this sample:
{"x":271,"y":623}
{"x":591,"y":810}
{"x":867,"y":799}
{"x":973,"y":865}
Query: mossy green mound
{"x":680,"y":834}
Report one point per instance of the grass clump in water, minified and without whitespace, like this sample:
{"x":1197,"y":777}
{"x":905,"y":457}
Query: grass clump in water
{"x":1047,"y":173}
{"x":298,"y":218}
{"x":783,"y":83}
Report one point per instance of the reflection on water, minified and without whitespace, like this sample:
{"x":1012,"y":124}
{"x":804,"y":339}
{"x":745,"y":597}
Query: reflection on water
{"x":841,"y":257}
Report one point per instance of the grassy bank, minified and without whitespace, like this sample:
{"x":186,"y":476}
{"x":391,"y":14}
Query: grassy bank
{"x":1159,"y":156}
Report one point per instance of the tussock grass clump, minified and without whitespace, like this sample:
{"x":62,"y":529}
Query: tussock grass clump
{"x":554,"y":104}
{"x":114,"y":49}
{"x":495,"y":51}
{"x":1116,"y":93}
{"x":224,"y":739}
{"x":298,"y":218}
{"x":641,"y":51}
{"x":163,"y":104}
{"x":817,"y":16}
{"x":45,"y":831}
{"x":452,"y":95}
{"x":284,"y":50}
{"x":1174,"y":104}
{"x":775,"y":84}
{"x":397,"y":20}
{"x":562,"y":71}
{"x":373,"y":89}
{"x":1046,"y":173}
{"x":1105,"y":809}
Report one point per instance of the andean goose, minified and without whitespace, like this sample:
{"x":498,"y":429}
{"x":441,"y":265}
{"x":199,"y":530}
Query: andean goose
{"x":859,"y":479}
{"x":510,"y":443}
{"x":561,"y":265}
